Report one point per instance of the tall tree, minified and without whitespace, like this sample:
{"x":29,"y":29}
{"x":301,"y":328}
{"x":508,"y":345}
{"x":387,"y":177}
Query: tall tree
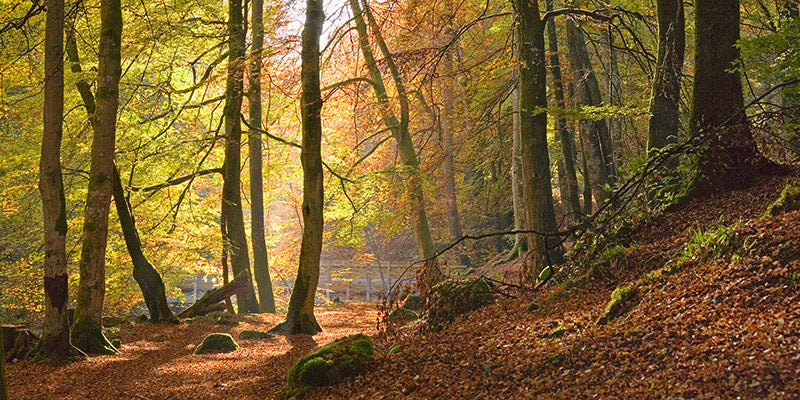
{"x":729,"y":158}
{"x":664,"y":120}
{"x":517,"y":201}
{"x":537,"y":191}
{"x":236,"y":239}
{"x":87,"y":329}
{"x":399,"y":129}
{"x":597,"y":149}
{"x":300,"y":315}
{"x":55,"y":343}
{"x":568,"y":177}
{"x":3,"y":383}
{"x":266,"y":298}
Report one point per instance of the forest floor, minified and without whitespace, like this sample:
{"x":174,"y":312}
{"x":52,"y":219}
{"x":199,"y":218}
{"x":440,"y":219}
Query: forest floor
{"x":724,"y":326}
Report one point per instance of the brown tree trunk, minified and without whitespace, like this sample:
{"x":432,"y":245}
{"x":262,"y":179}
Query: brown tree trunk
{"x":518,"y":203}
{"x":266,"y":298}
{"x":3,"y":382}
{"x":87,"y":333}
{"x":214,"y":297}
{"x":729,"y":157}
{"x":231,"y":194}
{"x":144,"y":273}
{"x":599,"y":157}
{"x":300,"y":316}
{"x":537,"y":191}
{"x":55,"y":344}
{"x":664,"y":120}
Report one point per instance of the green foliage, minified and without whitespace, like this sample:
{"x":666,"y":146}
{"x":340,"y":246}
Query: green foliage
{"x":331,"y":363}
{"x":254,"y":335}
{"x":789,"y":200}
{"x":775,"y":56}
{"x":217,"y":343}
{"x":621,"y":300}
{"x":452,"y":298}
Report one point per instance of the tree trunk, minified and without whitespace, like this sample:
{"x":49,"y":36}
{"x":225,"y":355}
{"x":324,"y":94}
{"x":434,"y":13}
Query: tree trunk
{"x":3,"y":382}
{"x":399,"y":129}
{"x":569,"y":194}
{"x":87,"y":333}
{"x":231,"y":194}
{"x":144,"y":273}
{"x":449,"y":163}
{"x":599,"y":158}
{"x":729,"y":158}
{"x":55,"y":344}
{"x":266,"y":298}
{"x":213,"y":297}
{"x":664,"y":119}
{"x":537,"y":192}
{"x":300,"y":316}
{"x":520,"y":240}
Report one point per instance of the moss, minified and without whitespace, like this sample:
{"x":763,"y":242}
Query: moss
{"x":217,"y":343}
{"x":251,"y":334}
{"x":413,"y":302}
{"x":331,"y":363}
{"x":556,"y":332}
{"x":223,"y":318}
{"x":395,"y":350}
{"x":789,"y":200}
{"x":453,"y":298}
{"x":533,"y":306}
{"x":621,"y":300}
{"x":403,"y":314}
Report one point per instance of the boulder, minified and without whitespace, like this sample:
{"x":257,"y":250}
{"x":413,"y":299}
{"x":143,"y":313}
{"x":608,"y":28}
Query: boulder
{"x":217,"y":343}
{"x":331,"y":363}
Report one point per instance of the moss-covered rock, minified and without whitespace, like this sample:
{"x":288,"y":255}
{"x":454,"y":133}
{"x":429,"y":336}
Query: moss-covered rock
{"x":223,"y":318}
{"x":251,"y":334}
{"x":331,"y":363}
{"x":413,"y":302}
{"x":533,"y":306}
{"x":452,"y":298}
{"x":217,"y":343}
{"x":788,"y":201}
{"x":403,"y":314}
{"x":556,"y":332}
{"x":622,"y":299}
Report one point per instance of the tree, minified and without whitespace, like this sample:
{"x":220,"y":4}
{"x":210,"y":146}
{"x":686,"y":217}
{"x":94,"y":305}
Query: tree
{"x":664,"y":121}
{"x":399,"y":129}
{"x":236,"y":238}
{"x":537,"y":191}
{"x":729,"y":157}
{"x":87,"y":333}
{"x":260,"y":262}
{"x":3,"y":383}
{"x":300,"y":315}
{"x":55,"y":342}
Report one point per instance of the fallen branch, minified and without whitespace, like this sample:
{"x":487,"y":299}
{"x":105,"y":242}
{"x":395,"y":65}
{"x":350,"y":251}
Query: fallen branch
{"x":212,"y":297}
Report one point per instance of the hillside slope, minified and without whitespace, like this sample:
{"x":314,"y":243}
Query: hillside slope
{"x":724,"y":324}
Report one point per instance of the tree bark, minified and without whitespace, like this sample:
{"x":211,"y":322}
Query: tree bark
{"x":231,"y":194}
{"x":300,"y":316}
{"x":664,"y":119}
{"x":87,"y":332}
{"x":537,"y":191}
{"x":399,"y":129}
{"x":518,"y":203}
{"x":144,"y":273}
{"x":3,"y":382}
{"x":215,"y":296}
{"x":729,"y":157}
{"x":266,"y":298}
{"x":567,"y":174}
{"x":55,"y":344}
{"x":599,"y":157}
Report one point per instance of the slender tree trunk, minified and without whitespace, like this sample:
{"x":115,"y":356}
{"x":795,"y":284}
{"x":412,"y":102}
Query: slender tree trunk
{"x":87,"y":333}
{"x":521,"y":241}
{"x":3,"y":382}
{"x":664,"y":119}
{"x":231,"y":194}
{"x":300,"y":316}
{"x":449,"y":91}
{"x":599,"y":158}
{"x":730,"y":158}
{"x":537,"y":191}
{"x":144,"y":273}
{"x":567,"y":174}
{"x":399,"y":129}
{"x":266,"y":298}
{"x":613,"y":90}
{"x":55,"y":343}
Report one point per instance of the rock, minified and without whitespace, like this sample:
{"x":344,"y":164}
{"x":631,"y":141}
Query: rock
{"x":331,"y":363}
{"x":223,"y":318}
{"x":789,"y":200}
{"x":622,"y":299}
{"x":251,"y":334}
{"x":452,"y":298}
{"x":217,"y":343}
{"x":533,"y":306}
{"x":413,"y":302}
{"x":403,"y":314}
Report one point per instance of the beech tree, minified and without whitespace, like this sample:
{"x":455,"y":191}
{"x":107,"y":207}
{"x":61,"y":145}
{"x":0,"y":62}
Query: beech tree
{"x":300,"y":315}
{"x":87,"y":329}
{"x":236,"y":238}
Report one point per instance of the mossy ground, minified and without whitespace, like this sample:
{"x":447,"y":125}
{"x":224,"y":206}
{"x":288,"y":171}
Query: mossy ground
{"x":251,"y":334}
{"x":453,"y":298}
{"x":217,"y":343}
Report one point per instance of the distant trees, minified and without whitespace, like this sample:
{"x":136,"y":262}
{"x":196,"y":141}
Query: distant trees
{"x":300,"y":315}
{"x":87,"y":332}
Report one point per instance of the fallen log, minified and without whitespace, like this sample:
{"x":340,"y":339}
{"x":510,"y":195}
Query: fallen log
{"x":208,"y":302}
{"x":17,"y":341}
